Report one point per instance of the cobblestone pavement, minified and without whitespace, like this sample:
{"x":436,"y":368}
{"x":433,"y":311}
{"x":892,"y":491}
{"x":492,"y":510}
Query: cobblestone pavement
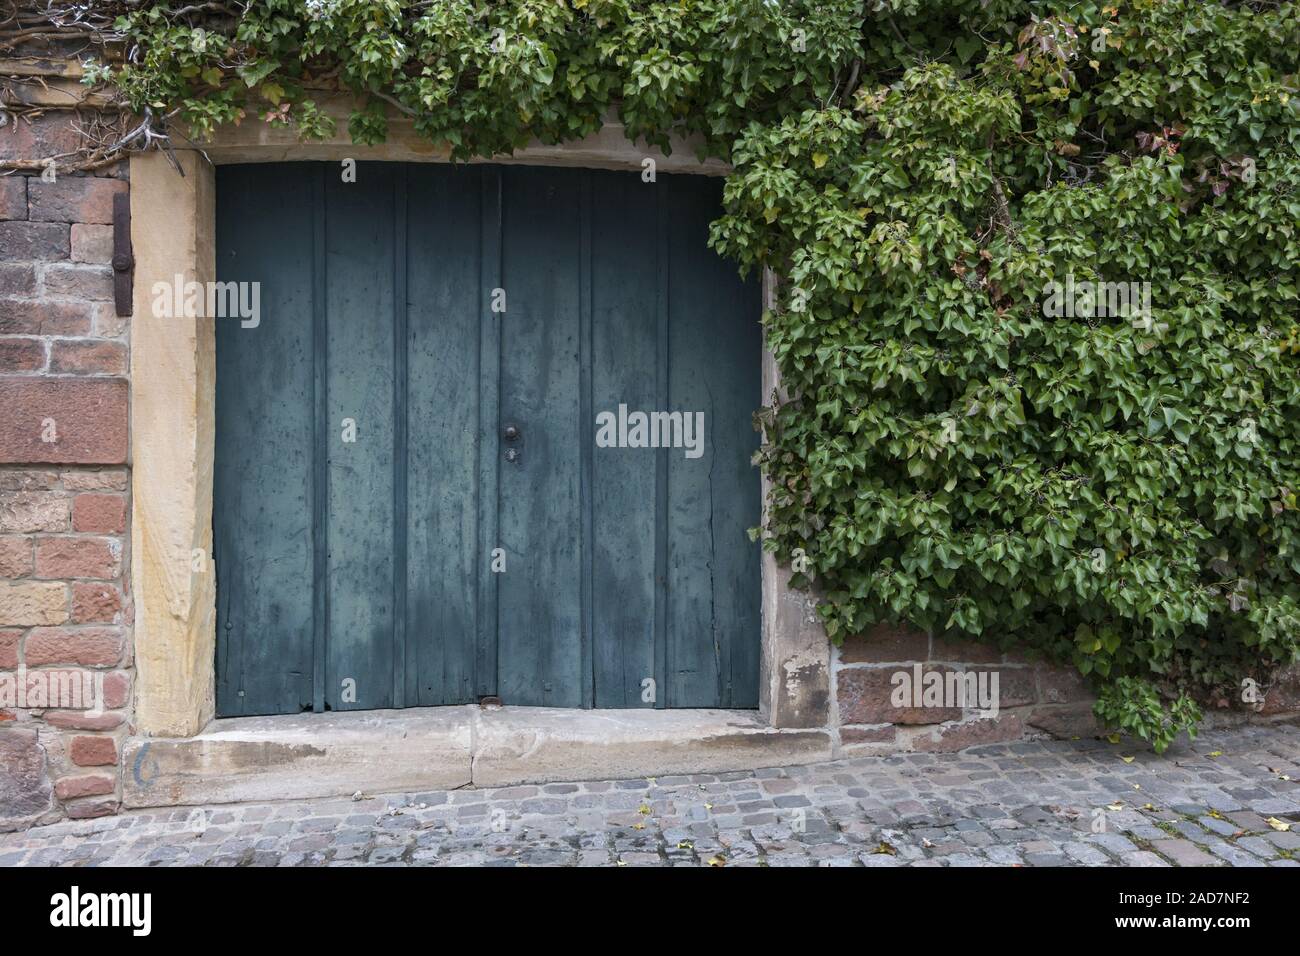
{"x":1036,"y":804}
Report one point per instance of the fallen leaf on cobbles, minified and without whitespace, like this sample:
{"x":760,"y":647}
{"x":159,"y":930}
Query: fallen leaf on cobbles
{"x":1126,"y":759}
{"x":716,"y":861}
{"x":1279,"y":825}
{"x":644,"y":809}
{"x":887,"y":848}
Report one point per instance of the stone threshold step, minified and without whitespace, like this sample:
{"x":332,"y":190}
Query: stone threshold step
{"x":299,"y":756}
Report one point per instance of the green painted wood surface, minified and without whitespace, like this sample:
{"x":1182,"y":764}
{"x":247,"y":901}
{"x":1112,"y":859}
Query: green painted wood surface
{"x":368,"y":564}
{"x":444,"y":226}
{"x":263,"y":529}
{"x":539,"y":616}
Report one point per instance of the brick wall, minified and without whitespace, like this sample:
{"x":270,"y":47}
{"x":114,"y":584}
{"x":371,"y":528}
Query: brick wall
{"x":65,"y":615}
{"x":1032,"y":698}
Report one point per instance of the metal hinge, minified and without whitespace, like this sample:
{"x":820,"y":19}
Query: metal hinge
{"x":123,"y":256}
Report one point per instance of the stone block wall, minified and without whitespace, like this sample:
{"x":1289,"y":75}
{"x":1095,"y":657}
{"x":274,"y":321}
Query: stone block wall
{"x":872,"y":672}
{"x":1034,"y":699}
{"x":65,"y":510}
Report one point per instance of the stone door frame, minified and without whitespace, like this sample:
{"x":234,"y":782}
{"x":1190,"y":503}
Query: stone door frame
{"x":173,"y":378}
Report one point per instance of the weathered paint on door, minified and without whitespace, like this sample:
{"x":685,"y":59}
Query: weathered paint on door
{"x":384,"y":437}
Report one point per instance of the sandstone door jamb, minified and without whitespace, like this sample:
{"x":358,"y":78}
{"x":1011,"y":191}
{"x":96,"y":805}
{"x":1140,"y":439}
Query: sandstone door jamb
{"x":795,"y":663}
{"x":173,"y":379}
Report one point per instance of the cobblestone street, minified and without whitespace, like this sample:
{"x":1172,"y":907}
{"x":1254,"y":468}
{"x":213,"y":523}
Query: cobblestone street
{"x":1224,"y":800}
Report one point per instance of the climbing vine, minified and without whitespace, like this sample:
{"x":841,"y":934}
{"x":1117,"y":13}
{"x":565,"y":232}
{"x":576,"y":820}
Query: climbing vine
{"x":1037,"y":327}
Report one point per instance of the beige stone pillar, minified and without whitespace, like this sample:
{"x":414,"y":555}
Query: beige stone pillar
{"x":173,"y":377}
{"x":795,"y":673}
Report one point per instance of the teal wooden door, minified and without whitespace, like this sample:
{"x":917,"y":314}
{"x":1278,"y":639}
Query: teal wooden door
{"x":415,"y":502}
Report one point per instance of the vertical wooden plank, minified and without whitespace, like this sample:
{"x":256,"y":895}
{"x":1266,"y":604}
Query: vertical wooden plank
{"x":445,"y":321}
{"x":586,"y":436}
{"x":359,"y":258}
{"x":262,"y":527}
{"x":401,"y":353}
{"x":540,"y":616}
{"x":489,"y":432}
{"x":713,"y":567}
{"x":624,"y":370}
{"x":320,"y":442}
{"x":665,"y":687}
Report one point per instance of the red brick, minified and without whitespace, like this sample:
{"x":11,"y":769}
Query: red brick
{"x":865,"y":697}
{"x":73,"y":199}
{"x":886,"y":643}
{"x":72,"y":689}
{"x":110,"y":325}
{"x":96,"y":558}
{"x":15,"y":557}
{"x":93,"y":751}
{"x":1016,"y":685}
{"x":90,"y":416}
{"x":1066,"y":721}
{"x":15,"y":279}
{"x":92,"y":809}
{"x":9,"y":639}
{"x":1062,"y":685}
{"x":88,"y":358}
{"x":117,"y":689}
{"x":1283,"y":694}
{"x":96,"y":604}
{"x":93,"y":283}
{"x":92,"y":243}
{"x":25,"y":790}
{"x":26,"y":512}
{"x":983,"y":730}
{"x":34,"y":240}
{"x":83,"y":720}
{"x":45,"y":317}
{"x":87,"y":785}
{"x":103,"y":514}
{"x":27,"y":479}
{"x":13,"y":197}
{"x":112,"y":479}
{"x":51,"y":134}
{"x":21,"y":355}
{"x":951,"y":651}
{"x":868,"y":735}
{"x":88,"y":647}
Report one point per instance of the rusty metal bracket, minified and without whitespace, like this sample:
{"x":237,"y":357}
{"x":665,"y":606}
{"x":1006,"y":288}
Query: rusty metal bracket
{"x":123,"y":256}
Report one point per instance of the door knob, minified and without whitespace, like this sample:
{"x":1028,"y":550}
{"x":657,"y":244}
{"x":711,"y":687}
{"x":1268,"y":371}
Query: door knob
{"x":511,"y":432}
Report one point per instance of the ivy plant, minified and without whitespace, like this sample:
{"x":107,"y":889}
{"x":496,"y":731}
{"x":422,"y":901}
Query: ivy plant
{"x":1037,"y":324}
